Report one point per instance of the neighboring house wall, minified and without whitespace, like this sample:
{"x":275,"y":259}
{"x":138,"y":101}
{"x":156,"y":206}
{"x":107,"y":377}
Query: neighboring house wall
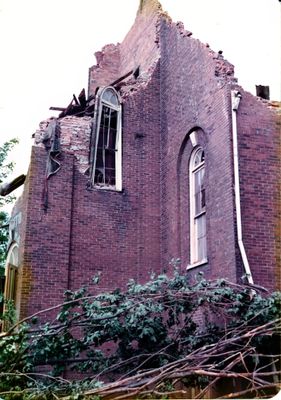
{"x":179,"y":99}
{"x":17,"y":232}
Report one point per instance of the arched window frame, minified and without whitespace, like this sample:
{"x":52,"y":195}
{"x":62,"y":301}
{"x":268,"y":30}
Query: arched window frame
{"x":11,"y":278}
{"x":11,"y":273}
{"x":198,"y":231}
{"x":103,"y":177}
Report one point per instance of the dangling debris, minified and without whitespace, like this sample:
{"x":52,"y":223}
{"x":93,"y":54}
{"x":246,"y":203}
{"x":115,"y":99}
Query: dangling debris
{"x":53,"y":165}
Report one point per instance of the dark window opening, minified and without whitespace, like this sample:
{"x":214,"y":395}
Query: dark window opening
{"x":263,"y":91}
{"x":106,"y":156}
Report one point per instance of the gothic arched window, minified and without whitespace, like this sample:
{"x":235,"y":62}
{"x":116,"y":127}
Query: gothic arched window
{"x":10,"y":283}
{"x":11,"y":274}
{"x":198,"y":238}
{"x":107,"y":158}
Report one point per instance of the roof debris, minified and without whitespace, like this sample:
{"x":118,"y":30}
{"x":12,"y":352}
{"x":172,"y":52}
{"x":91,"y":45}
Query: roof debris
{"x":79,"y":107}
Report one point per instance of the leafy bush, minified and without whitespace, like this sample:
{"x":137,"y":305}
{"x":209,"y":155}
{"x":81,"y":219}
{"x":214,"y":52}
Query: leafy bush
{"x":161,"y":325}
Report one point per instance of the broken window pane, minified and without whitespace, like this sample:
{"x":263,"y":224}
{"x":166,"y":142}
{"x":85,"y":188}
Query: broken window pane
{"x":107,"y":140}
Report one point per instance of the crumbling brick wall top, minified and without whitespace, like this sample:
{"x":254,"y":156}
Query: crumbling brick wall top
{"x":74,"y":137}
{"x":139,"y":49}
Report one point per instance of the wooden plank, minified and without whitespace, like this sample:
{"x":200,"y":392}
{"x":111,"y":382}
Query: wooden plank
{"x":75,"y":100}
{"x":82,"y":98}
{"x":122,"y":78}
{"x":57,"y":108}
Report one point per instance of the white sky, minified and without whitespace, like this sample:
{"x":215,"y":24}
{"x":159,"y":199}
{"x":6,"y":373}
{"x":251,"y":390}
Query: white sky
{"x":47,"y":47}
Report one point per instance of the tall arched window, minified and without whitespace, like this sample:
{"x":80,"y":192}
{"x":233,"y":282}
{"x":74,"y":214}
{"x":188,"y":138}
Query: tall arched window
{"x":107,"y":156}
{"x":11,"y":279}
{"x":198,"y":239}
{"x":11,"y":273}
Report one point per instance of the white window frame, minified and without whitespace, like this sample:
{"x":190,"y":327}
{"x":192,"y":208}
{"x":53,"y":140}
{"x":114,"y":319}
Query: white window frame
{"x":195,"y":259}
{"x":11,"y":290}
{"x":118,"y":145}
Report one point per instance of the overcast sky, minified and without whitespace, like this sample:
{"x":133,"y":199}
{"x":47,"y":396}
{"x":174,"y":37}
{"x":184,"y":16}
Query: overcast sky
{"x":47,"y":47}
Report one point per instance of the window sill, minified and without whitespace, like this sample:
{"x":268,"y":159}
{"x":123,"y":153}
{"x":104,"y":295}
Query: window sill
{"x":107,"y":188}
{"x":197,"y":264}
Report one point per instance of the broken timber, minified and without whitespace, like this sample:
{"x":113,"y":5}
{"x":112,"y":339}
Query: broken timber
{"x":9,"y":187}
{"x":81,"y":106}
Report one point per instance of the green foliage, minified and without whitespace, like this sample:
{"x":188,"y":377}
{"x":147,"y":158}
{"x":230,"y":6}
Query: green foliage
{"x":6,"y":168}
{"x":145,"y":327}
{"x":4,"y":236}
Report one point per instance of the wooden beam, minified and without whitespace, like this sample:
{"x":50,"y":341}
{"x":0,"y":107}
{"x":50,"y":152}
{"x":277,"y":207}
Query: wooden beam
{"x":57,"y":108}
{"x":122,"y":78}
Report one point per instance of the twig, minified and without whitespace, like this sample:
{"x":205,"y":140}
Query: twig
{"x":243,"y":392}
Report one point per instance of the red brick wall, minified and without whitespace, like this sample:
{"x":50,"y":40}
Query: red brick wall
{"x":85,"y":232}
{"x":195,"y":93}
{"x":132,"y":233}
{"x":259,"y":138}
{"x":140,"y":48}
{"x":107,"y":69}
{"x":116,"y":233}
{"x":46,"y":243}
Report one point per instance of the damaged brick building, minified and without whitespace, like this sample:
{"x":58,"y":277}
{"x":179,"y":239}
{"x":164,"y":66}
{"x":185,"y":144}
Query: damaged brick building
{"x":165,"y":157}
